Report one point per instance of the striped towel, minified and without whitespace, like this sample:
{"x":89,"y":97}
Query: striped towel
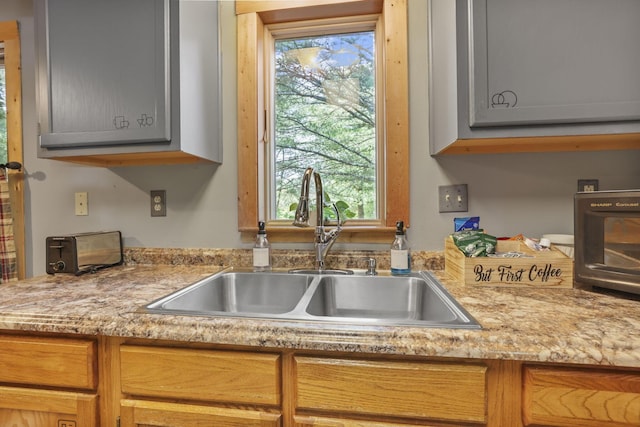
{"x":8,"y":259}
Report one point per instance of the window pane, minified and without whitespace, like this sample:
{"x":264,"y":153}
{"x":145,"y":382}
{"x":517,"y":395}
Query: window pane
{"x":325,"y":118}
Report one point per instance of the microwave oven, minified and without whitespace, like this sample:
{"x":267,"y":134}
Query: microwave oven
{"x":607,"y":240}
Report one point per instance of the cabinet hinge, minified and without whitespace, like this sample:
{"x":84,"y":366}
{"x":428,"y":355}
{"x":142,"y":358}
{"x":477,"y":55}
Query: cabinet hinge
{"x":118,"y":422}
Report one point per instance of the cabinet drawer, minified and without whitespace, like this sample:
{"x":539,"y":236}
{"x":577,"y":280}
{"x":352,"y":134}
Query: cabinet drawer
{"x":408,"y":389}
{"x":573,"y":397}
{"x":54,"y":362}
{"x":227,"y":376}
{"x":145,"y":413}
{"x":341,"y":422}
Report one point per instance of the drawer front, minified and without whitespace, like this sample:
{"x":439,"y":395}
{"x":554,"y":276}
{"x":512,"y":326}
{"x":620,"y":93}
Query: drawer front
{"x":144,"y":413}
{"x":407,"y":389}
{"x":226,"y":376}
{"x":68,"y":363}
{"x":573,"y":397}
{"x":342,"y":422}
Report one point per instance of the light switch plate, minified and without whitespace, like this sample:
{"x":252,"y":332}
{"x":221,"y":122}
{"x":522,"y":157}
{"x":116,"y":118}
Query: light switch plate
{"x":453,"y":198}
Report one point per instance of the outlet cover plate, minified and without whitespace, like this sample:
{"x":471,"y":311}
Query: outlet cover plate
{"x":588,"y":185}
{"x":453,"y":198}
{"x":158,"y":202}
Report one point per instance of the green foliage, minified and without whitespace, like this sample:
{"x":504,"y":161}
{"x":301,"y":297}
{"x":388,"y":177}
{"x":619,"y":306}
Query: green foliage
{"x":328,"y":211}
{"x":325,"y":119}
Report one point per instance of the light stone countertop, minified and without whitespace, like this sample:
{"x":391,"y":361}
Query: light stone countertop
{"x":546,"y":325}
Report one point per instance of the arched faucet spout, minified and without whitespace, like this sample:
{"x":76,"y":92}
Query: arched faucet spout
{"x":323,"y":239}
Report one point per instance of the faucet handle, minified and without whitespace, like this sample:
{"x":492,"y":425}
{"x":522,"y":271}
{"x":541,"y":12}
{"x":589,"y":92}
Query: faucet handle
{"x":371,"y":267}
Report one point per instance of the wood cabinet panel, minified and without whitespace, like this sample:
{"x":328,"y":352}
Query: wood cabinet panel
{"x":46,"y":408}
{"x":56,"y":362}
{"x":226,"y":376}
{"x":137,"y":413}
{"x":584,"y":398}
{"x":407,"y":389}
{"x":337,"y":422}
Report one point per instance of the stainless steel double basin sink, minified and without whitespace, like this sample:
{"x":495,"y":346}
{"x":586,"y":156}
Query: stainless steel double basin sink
{"x":414,"y":300}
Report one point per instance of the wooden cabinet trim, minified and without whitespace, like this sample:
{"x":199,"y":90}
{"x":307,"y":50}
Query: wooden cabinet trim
{"x":201,"y":375}
{"x":55,"y":362}
{"x":456,"y":392}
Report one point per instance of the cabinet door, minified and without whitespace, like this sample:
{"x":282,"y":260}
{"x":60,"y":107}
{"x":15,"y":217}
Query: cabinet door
{"x":137,"y":413}
{"x":553,"y":61}
{"x":45,"y":408}
{"x":104,"y":76}
{"x":565,"y":397}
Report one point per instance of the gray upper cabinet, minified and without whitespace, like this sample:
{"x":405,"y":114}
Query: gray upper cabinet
{"x":125,"y":82}
{"x":519,"y":69}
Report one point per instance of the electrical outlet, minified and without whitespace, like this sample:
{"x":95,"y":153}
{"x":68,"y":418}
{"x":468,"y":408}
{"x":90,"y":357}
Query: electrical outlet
{"x":82,"y":203}
{"x":453,"y":198}
{"x":587,"y":185}
{"x":158,"y":202}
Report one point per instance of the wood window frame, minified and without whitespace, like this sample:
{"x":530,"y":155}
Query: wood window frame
{"x":10,"y":36}
{"x":251,"y":18}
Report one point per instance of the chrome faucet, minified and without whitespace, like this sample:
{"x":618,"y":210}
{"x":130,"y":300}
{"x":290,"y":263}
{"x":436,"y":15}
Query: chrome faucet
{"x":323,"y":239}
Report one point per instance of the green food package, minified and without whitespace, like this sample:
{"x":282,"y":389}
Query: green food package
{"x":475,"y":243}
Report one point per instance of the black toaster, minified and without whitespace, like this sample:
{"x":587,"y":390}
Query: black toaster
{"x":84,"y":252}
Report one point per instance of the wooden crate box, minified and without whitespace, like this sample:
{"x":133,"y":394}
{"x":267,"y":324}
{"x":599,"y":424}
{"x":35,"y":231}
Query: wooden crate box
{"x":550,"y":269}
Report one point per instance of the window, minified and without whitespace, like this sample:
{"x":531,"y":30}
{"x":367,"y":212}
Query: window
{"x":323,"y":115}
{"x":312,"y":91}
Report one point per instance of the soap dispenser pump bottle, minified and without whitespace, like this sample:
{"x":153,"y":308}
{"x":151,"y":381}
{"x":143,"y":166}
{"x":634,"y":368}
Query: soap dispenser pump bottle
{"x":261,"y":250}
{"x":400,"y":253}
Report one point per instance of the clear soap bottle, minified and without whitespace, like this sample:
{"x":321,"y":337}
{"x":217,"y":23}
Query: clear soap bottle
{"x":261,"y":250}
{"x":400,"y":252}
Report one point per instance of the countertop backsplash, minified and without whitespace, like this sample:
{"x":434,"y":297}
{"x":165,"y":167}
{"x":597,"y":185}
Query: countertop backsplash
{"x":282,"y":258}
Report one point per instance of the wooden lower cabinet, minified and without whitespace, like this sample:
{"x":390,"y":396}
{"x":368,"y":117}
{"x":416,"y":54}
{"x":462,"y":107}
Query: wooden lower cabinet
{"x":194,"y":387}
{"x":51,"y":362}
{"x":455,"y":392}
{"x":306,"y":421}
{"x":236,"y":377}
{"x":138,"y":413}
{"x":581,"y":397}
{"x":45,"y":408}
{"x":48,"y":382}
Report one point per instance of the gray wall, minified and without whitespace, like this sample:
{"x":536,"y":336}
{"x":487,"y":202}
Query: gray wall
{"x":512,"y":193}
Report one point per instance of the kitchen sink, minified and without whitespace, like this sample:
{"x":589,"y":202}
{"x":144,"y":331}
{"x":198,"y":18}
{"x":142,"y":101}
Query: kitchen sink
{"x":414,"y":300}
{"x":238,"y":292}
{"x":386,"y":298}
